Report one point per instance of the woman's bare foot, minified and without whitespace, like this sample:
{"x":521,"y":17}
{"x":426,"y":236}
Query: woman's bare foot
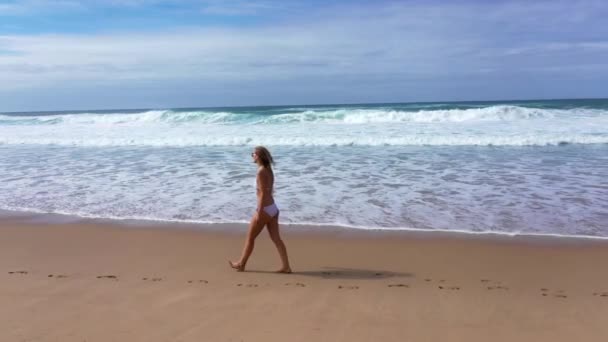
{"x":237,"y":266}
{"x":284,"y":270}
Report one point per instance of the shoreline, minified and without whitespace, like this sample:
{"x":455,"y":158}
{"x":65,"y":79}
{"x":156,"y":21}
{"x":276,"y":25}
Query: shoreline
{"x":35,"y":218}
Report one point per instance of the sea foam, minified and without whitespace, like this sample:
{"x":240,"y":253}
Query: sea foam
{"x":498,"y":125}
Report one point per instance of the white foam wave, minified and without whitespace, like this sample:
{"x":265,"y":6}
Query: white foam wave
{"x":496,"y":125}
{"x":85,"y":141}
{"x":499,"y":113}
{"x":362,"y":116}
{"x":513,"y":191}
{"x":149,"y":117}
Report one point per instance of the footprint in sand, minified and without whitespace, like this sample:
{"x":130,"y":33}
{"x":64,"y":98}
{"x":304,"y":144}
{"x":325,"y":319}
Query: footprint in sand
{"x":449,"y":287}
{"x":495,"y":285}
{"x":17,"y":272}
{"x":398,"y":285}
{"x":152,"y":279}
{"x":498,"y":287}
{"x":559,"y":293}
{"x":198,"y":281}
{"x":295,"y":284}
{"x":247,"y":285}
{"x":58,"y":276}
{"x":350,"y":287}
{"x":109,"y":276}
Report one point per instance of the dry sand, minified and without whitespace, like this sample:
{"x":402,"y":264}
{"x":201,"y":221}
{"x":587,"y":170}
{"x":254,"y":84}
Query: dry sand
{"x":90,"y":281}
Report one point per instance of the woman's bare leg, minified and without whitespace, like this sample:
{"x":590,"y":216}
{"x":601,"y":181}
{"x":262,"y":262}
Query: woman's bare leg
{"x":255,"y":227}
{"x":273,"y":231}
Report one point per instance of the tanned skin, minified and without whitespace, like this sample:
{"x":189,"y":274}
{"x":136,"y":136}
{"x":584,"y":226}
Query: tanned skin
{"x":260,"y":219}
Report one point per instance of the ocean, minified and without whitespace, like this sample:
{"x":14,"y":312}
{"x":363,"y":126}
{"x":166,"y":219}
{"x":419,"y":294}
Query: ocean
{"x":510,"y":167}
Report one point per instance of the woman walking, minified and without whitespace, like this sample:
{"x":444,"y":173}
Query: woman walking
{"x":267,"y":212}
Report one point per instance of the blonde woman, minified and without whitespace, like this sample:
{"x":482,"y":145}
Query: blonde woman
{"x":267,"y":212}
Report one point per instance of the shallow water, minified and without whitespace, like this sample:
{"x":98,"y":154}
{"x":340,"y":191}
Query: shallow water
{"x":530,"y":167}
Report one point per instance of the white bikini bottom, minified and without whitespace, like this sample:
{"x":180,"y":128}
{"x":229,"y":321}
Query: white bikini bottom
{"x":272,"y":210}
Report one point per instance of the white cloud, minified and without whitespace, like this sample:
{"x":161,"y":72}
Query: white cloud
{"x":396,"y":41}
{"x":214,"y":7}
{"x":9,"y":8}
{"x":240,"y":7}
{"x":27,"y":7}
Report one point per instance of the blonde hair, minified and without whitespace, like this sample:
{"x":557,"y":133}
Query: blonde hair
{"x":264,"y":156}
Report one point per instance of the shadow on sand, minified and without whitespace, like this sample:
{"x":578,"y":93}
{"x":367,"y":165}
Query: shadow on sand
{"x":348,"y":273}
{"x":353,"y":273}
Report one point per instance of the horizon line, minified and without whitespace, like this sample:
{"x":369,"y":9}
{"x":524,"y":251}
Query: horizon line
{"x":302,"y":105}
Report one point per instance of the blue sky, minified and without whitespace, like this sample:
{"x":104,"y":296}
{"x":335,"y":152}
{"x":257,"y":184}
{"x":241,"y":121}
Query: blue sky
{"x":96,"y":54}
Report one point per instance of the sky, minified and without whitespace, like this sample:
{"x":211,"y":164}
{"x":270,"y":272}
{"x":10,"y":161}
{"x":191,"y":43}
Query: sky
{"x":96,"y":54}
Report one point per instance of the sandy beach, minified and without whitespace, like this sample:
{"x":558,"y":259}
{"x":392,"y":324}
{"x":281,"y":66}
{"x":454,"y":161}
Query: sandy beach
{"x":91,"y":281}
{"x":438,"y":171}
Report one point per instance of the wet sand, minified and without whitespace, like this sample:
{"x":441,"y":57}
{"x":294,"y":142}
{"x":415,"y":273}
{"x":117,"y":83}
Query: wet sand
{"x":101,"y":281}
